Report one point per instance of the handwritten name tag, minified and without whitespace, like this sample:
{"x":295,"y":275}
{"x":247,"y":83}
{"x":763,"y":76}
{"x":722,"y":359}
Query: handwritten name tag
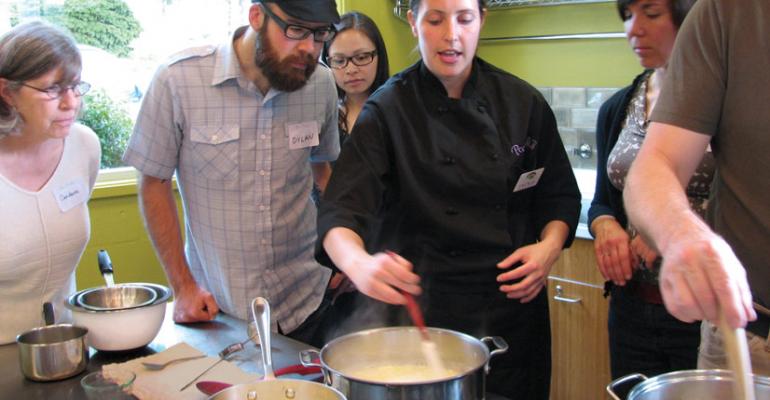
{"x":71,"y":194}
{"x":528,"y":179}
{"x":303,"y":134}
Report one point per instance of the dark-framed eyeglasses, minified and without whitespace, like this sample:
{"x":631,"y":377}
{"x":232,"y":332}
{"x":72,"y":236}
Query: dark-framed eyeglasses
{"x":360,"y":59}
{"x":299,"y":32}
{"x":56,"y":91}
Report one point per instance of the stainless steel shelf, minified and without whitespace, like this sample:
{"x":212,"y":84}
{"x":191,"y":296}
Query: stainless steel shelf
{"x":402,"y":6}
{"x":567,"y":36}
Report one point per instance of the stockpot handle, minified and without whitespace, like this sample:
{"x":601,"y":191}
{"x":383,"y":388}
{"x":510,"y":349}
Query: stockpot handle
{"x":623,"y":380}
{"x":500,"y":347}
{"x":307,"y":356}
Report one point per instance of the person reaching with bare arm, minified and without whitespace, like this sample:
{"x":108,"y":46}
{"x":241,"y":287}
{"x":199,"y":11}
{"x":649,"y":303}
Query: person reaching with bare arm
{"x":715,"y":94}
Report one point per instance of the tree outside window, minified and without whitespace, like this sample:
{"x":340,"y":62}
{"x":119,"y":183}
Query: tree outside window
{"x":122,"y":42}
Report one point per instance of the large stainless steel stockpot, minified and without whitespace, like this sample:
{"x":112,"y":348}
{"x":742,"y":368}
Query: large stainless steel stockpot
{"x":52,"y":352}
{"x":343,"y":358}
{"x":697,"y":384}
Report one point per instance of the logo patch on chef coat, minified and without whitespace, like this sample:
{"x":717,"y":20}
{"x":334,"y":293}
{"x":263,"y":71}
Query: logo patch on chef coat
{"x":71,"y":194}
{"x":520,"y":149}
{"x":303,"y":134}
{"x":528,"y":179}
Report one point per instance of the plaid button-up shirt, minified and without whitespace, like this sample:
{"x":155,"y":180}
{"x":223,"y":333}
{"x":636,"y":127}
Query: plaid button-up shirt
{"x":250,"y":223}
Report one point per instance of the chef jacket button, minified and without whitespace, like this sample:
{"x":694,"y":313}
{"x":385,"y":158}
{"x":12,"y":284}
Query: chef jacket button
{"x":451,"y":211}
{"x":494,"y":156}
{"x":482,"y":109}
{"x":442,"y":109}
{"x":449,"y":160}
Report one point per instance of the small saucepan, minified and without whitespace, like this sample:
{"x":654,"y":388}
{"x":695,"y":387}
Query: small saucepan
{"x":52,"y":352}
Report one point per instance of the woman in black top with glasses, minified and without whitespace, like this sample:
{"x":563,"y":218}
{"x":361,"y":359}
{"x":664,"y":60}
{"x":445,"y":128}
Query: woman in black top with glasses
{"x":359,"y":61}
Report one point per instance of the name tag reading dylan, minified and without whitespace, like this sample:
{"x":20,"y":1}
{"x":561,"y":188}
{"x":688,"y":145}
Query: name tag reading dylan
{"x":303,"y":134}
{"x":71,"y":194}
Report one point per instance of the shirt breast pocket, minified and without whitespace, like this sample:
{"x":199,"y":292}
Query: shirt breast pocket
{"x":215,"y":151}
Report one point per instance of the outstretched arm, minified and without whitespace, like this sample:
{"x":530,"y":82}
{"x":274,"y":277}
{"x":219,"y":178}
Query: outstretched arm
{"x":158,"y":206}
{"x":700,"y":275}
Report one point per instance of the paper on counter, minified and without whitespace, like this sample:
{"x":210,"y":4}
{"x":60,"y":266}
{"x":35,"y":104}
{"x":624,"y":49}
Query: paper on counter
{"x":165,"y":384}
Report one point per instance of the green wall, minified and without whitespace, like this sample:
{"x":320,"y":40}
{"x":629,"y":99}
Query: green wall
{"x":116,"y":226}
{"x":576,"y":62}
{"x":115,"y":220}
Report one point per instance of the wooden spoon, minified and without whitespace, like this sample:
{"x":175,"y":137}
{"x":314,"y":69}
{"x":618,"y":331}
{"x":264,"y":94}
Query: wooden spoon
{"x":738,"y":360}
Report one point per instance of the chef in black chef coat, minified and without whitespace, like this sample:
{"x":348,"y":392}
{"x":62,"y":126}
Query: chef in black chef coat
{"x":458,"y":168}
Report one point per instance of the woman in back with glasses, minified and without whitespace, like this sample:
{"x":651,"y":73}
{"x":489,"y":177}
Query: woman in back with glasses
{"x":48,"y":166}
{"x":359,"y":61}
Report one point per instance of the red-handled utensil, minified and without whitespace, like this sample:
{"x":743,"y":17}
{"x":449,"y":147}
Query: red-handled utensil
{"x":428,"y":347}
{"x":211,"y":387}
{"x":416,"y":314}
{"x":298,"y":369}
{"x":412,"y":307}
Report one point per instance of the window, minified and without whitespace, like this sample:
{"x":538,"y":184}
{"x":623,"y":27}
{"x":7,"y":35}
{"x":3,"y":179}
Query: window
{"x":122,"y":43}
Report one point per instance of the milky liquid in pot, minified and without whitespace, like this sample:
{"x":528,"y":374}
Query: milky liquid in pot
{"x":403,"y":373}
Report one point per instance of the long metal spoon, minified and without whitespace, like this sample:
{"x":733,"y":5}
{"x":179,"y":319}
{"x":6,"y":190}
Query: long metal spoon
{"x":223,"y":355}
{"x":159,"y":366}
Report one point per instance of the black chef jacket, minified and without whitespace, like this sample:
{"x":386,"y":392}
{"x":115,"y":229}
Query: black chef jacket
{"x":433,"y":178}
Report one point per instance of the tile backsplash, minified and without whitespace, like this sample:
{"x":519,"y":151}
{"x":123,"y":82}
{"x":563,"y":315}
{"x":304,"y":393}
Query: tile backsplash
{"x":576,"y":110}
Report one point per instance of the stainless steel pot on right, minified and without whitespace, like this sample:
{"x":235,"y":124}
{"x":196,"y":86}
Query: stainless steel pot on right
{"x":697,"y":384}
{"x":343,"y":359}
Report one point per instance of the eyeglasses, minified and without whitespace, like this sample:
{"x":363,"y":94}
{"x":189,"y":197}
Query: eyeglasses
{"x":360,"y":59}
{"x":299,"y":32}
{"x":56,"y":91}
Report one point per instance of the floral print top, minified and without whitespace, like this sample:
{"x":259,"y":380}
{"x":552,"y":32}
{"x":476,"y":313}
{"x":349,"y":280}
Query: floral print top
{"x":625,"y":151}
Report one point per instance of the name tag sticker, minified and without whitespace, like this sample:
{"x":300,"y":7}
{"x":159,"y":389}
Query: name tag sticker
{"x":71,"y":194}
{"x":303,"y":134}
{"x":528,"y":179}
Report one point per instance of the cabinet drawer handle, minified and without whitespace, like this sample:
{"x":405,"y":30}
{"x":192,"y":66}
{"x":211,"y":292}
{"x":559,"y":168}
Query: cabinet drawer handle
{"x":558,"y":296}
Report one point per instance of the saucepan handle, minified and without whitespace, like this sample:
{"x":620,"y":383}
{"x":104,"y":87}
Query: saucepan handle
{"x":48,"y":314}
{"x":622,"y":381}
{"x":105,"y":264}
{"x":312,"y":358}
{"x":500,"y":347}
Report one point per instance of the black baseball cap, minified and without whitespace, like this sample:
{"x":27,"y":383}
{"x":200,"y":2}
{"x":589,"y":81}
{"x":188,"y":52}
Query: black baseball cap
{"x":324,"y":11}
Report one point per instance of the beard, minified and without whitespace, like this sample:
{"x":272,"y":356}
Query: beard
{"x":281,"y":74}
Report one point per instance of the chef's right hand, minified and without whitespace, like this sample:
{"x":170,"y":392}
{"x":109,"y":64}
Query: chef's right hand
{"x":613,"y":253}
{"x":380,"y":276}
{"x":193,"y":304}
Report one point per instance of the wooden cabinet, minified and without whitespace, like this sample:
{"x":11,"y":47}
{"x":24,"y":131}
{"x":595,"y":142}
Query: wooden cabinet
{"x":580,"y":352}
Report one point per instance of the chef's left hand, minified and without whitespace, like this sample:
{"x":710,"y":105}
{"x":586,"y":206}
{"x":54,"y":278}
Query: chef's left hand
{"x":536,"y":261}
